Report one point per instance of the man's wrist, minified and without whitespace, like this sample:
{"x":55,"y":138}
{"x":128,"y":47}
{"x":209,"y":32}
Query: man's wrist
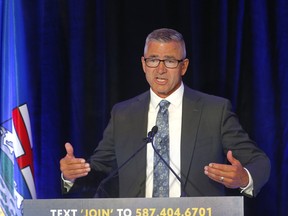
{"x":249,"y":187}
{"x":245,"y":178}
{"x":67,"y":184}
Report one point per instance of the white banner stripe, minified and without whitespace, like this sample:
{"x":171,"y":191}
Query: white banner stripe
{"x":29,"y":180}
{"x":18,"y":149}
{"x":25,"y":115}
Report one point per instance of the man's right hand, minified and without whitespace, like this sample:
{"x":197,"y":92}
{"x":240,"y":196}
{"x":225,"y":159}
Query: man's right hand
{"x":72,"y":167}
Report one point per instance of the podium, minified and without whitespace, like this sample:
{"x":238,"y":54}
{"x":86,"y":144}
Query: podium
{"x":185,"y":206}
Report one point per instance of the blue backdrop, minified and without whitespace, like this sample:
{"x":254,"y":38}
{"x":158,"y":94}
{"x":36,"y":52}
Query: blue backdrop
{"x":82,"y":57}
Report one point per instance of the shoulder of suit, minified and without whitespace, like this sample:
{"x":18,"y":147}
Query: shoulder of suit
{"x":201,"y":96}
{"x":139,"y":99}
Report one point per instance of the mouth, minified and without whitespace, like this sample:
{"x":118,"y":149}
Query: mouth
{"x":161,"y":81}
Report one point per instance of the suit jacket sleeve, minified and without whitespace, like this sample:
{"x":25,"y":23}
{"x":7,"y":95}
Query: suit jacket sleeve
{"x":244,"y":149}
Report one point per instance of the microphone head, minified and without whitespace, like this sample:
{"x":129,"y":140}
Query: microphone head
{"x":154,"y":129}
{"x":151,"y":134}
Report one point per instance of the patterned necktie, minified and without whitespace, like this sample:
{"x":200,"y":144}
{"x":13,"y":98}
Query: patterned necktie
{"x":161,"y":171}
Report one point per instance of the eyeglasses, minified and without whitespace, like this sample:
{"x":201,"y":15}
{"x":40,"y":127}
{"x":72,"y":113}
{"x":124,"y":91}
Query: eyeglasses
{"x":169,"y":63}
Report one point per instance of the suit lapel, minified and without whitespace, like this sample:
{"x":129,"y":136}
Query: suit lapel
{"x":192,"y":109}
{"x":139,"y":111}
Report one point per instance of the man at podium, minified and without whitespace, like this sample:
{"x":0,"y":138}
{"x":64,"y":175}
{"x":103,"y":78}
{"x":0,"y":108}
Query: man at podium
{"x":195,"y":144}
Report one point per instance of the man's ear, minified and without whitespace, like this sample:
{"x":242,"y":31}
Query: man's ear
{"x":185,"y":65}
{"x":143,"y":64}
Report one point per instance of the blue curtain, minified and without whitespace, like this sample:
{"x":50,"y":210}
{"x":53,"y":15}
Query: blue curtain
{"x":84,"y":56}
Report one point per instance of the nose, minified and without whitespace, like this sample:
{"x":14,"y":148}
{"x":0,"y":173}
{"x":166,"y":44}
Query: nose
{"x":161,"y":67}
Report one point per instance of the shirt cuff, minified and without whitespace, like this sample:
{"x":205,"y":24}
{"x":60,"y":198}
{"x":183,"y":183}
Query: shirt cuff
{"x":249,"y":188}
{"x":66,"y":183}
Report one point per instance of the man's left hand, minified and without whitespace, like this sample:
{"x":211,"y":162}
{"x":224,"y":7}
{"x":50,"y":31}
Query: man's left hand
{"x":232,"y":176}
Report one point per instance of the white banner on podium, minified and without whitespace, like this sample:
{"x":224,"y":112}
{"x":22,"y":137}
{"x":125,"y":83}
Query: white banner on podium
{"x":186,"y":206}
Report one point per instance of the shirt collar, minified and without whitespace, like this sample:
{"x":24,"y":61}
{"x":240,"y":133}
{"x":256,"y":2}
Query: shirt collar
{"x":175,"y":98}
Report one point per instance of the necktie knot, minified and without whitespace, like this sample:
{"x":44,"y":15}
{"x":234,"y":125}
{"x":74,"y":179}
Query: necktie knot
{"x":164,"y":104}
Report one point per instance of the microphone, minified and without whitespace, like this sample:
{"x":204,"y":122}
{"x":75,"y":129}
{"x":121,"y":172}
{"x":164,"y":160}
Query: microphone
{"x":151,"y":134}
{"x":146,"y":140}
{"x":183,"y":193}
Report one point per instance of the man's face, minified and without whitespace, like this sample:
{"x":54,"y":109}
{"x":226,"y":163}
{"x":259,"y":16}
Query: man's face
{"x":162,"y":80}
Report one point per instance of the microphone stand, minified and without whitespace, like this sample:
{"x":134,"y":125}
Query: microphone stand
{"x":146,"y":140}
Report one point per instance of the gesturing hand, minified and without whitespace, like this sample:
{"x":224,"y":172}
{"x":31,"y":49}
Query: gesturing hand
{"x":72,"y":167}
{"x":232,"y":176}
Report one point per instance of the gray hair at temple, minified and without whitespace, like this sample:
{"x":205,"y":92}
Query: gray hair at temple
{"x":166,"y":35}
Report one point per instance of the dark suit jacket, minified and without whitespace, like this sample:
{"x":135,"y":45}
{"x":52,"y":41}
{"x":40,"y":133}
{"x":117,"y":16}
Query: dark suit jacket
{"x":209,"y":130}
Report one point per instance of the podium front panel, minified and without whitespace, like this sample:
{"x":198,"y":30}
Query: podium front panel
{"x":186,"y":206}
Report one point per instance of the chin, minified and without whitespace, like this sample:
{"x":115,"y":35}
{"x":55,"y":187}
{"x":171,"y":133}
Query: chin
{"x":162,"y":94}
